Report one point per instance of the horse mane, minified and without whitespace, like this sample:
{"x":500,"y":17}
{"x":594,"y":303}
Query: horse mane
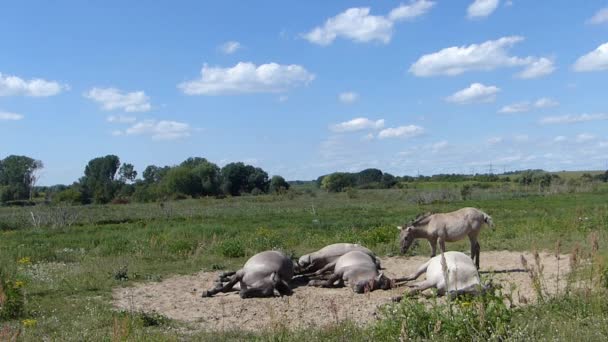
{"x":420,"y":219}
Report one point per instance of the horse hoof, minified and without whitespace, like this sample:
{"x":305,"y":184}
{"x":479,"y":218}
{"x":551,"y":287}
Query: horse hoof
{"x":205,"y":294}
{"x":396,"y":299}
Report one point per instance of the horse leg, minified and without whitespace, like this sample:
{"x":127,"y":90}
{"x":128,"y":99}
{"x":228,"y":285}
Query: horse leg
{"x":433,"y":244}
{"x":421,"y":286}
{"x":283,"y":288}
{"x":326,"y":268}
{"x":257,"y":292}
{"x":224,"y":288}
{"x":442,"y":244}
{"x":477,"y":253}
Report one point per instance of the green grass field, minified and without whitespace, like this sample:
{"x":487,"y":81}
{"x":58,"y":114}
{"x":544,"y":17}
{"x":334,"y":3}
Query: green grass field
{"x":67,"y":272}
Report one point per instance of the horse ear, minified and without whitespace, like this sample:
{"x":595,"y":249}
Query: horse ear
{"x":400,"y":227}
{"x":410,"y":228}
{"x":380,"y":275}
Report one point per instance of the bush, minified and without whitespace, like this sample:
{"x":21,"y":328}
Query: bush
{"x":70,"y":195}
{"x":12,"y":299}
{"x":232,"y":249}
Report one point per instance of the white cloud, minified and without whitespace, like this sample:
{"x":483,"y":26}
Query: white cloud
{"x":475,"y":93}
{"x":357,"y":124}
{"x":486,"y":56}
{"x":408,"y":131}
{"x":358,"y":25}
{"x":7,"y":116}
{"x":112,"y":98}
{"x":545,"y":102}
{"x":482,"y":8}
{"x":230,"y":47}
{"x":520,"y":107}
{"x":411,"y":11}
{"x":596,"y":60}
{"x":159,"y":130}
{"x":283,"y":98}
{"x":246,"y":77}
{"x":564,"y":119}
{"x":516,"y":108}
{"x":121,"y":119}
{"x":348,"y":97}
{"x":559,"y":138}
{"x":599,"y":17}
{"x":37,"y":87}
{"x":538,"y":67}
{"x":584,"y":137}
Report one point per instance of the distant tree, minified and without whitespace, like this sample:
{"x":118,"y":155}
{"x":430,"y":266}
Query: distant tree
{"x":278,"y":184}
{"x":257,"y":179}
{"x":369,"y":176}
{"x":98,"y":183}
{"x":127,"y":173}
{"x":18,"y":176}
{"x":388,"y":180}
{"x":154,"y":174}
{"x":181,"y":180}
{"x":338,"y":181}
{"x":208,"y":175}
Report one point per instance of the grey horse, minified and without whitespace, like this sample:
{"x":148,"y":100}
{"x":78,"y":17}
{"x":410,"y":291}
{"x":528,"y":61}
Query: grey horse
{"x":263,"y":275}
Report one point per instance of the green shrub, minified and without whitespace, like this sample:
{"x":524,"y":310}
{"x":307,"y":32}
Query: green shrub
{"x":232,"y":249}
{"x":12,"y":299}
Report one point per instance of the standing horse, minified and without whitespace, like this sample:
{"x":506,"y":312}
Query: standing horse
{"x":452,"y":226}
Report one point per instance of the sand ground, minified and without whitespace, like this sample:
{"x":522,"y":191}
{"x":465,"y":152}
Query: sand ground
{"x":179,"y":297}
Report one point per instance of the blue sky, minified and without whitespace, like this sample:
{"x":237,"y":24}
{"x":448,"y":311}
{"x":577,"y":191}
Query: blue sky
{"x":306,"y":88}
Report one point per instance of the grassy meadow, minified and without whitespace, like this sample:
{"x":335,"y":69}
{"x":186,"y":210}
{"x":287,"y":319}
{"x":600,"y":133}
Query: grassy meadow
{"x":60,"y":263}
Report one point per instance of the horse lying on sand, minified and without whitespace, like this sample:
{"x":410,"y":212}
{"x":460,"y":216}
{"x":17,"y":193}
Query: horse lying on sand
{"x":359,"y":271}
{"x":324,"y":260}
{"x":443,"y":227}
{"x":462,"y":276}
{"x":265,"y":274}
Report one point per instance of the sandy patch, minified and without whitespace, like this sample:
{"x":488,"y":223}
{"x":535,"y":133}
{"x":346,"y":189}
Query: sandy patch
{"x":179,"y":297}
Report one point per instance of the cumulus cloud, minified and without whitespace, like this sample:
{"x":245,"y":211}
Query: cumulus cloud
{"x":481,"y":8}
{"x":526,"y":106}
{"x":37,"y":87}
{"x":357,"y":124}
{"x":246,"y":77}
{"x":596,"y":60}
{"x":495,"y":140}
{"x":565,"y":119}
{"x":486,"y":56}
{"x":121,"y":119}
{"x":230,"y":47}
{"x":359,"y":25}
{"x":112,"y":98}
{"x":600,"y":17}
{"x":158,"y":130}
{"x":559,"y":138}
{"x":348,"y":97}
{"x":408,"y":131}
{"x":7,"y":116}
{"x":538,"y":67}
{"x":475,"y":93}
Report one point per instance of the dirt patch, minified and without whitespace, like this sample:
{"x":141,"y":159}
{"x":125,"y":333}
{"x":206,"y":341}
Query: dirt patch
{"x":179,"y":297}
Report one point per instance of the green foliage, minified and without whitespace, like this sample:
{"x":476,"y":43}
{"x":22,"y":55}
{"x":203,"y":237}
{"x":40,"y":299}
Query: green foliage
{"x":232,"y":248}
{"x":70,"y":195}
{"x":466,"y":191}
{"x":238,"y":178}
{"x":338,"y":181}
{"x":98,"y":181}
{"x":278,"y":184}
{"x":17,"y":177}
{"x":127,"y":173}
{"x":12,"y":299}
{"x":479,"y":318}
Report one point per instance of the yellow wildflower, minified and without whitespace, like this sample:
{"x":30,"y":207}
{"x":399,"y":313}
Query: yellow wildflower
{"x":29,"y":323}
{"x":18,"y":284}
{"x":24,"y":261}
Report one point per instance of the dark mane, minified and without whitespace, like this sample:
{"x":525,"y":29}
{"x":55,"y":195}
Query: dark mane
{"x":420,"y":219}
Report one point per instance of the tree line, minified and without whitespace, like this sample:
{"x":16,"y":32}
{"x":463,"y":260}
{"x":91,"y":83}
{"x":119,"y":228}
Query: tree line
{"x":106,"y":180}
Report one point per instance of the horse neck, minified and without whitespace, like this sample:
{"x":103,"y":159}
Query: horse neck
{"x":420,"y":231}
